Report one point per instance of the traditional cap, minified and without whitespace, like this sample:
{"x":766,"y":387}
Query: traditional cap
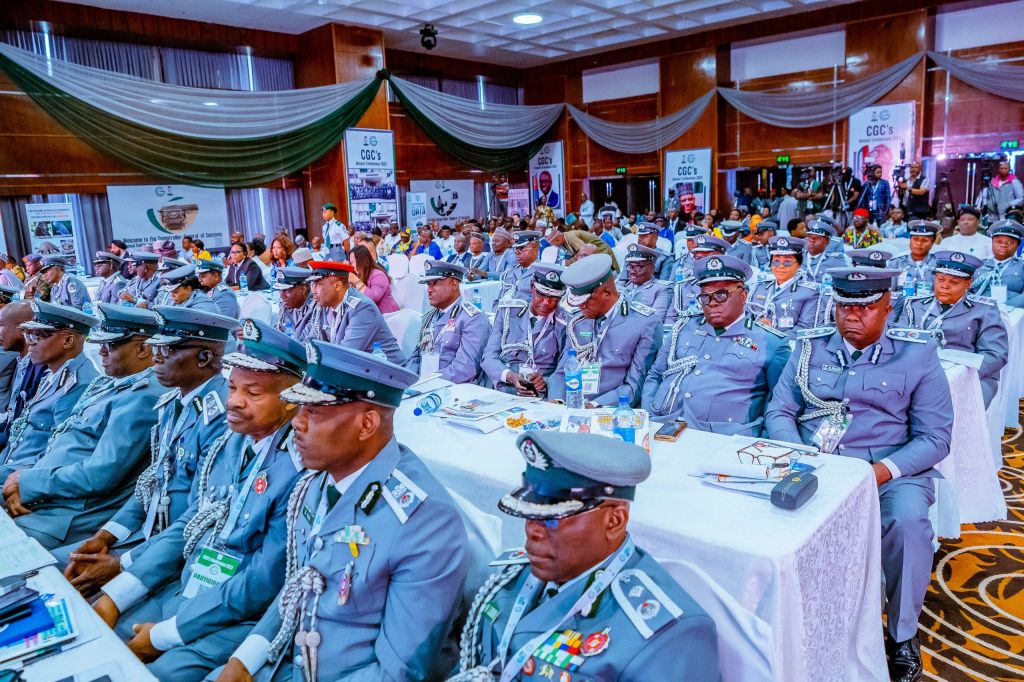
{"x":694,"y":230}
{"x":860,"y":285}
{"x":180,"y":276}
{"x":956,"y":263}
{"x":721,"y":269}
{"x":336,"y":376}
{"x":328,"y":268}
{"x":143,"y":257}
{"x":547,"y":279}
{"x":1007,"y":228}
{"x":785,"y":246}
{"x":53,"y":261}
{"x":647,"y":228}
{"x":118,"y":322}
{"x":286,"y":278}
{"x":926,"y":228}
{"x":302,"y":255}
{"x":33,"y":258}
{"x":820,"y":228}
{"x":659,"y":218}
{"x":636,"y":253}
{"x":767,"y":226}
{"x":329,"y":207}
{"x":205,"y":265}
{"x":870,"y":257}
{"x":731,"y":226}
{"x":710,"y":243}
{"x":168,"y":264}
{"x":586,"y":275}
{"x":7,"y":293}
{"x":686,"y":188}
{"x":502,"y":232}
{"x":178,"y":324}
{"x":51,"y":317}
{"x":525,"y":238}
{"x":264,"y":349}
{"x":105,"y":257}
{"x":861,"y":213}
{"x":571,"y":473}
{"x":438,"y":269}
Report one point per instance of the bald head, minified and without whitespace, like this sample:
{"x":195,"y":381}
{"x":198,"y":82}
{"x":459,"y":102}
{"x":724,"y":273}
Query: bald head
{"x":12,"y":316}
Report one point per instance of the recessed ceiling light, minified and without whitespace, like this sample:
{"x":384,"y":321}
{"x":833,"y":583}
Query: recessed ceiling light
{"x":527,"y":19}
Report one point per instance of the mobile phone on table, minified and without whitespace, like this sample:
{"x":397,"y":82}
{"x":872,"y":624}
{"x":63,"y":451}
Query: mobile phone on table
{"x":671,"y":431}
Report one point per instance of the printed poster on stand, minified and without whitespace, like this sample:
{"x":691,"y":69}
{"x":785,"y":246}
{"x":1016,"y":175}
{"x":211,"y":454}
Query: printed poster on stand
{"x":370,"y":170}
{"x":547,"y":178}
{"x":143,"y":214}
{"x":688,"y":172}
{"x":51,"y":230}
{"x":415,"y":209}
{"x":882,"y":134}
{"x":448,"y":201}
{"x":519,"y":202}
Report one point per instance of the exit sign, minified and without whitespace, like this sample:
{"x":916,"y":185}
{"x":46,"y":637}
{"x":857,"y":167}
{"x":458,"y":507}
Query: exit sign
{"x":1009,"y":144}
{"x":782,"y":159}
{"x":621,"y":170}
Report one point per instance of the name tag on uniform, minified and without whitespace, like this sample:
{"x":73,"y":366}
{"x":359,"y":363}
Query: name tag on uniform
{"x":830,"y":432}
{"x":430,"y":363}
{"x":591,"y":378}
{"x":211,"y":568}
{"x":998,"y":293}
{"x":786,"y":322}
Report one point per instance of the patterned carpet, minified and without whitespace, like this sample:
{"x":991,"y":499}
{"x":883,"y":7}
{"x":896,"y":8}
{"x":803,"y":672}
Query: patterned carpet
{"x":972,"y":627}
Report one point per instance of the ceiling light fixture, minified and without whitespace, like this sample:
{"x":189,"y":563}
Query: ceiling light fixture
{"x":527,"y":19}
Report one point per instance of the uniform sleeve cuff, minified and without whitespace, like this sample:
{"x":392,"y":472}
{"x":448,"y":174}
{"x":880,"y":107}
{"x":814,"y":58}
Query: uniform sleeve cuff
{"x":125,"y":590}
{"x":891,"y":466}
{"x":165,"y":635}
{"x":126,"y":560}
{"x":252,"y":653}
{"x":117,"y":530}
{"x":506,"y":376}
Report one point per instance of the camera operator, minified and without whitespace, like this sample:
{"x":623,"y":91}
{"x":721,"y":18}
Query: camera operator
{"x":877,"y":195}
{"x":1000,"y":194}
{"x":912,"y":193}
{"x":808,"y":193}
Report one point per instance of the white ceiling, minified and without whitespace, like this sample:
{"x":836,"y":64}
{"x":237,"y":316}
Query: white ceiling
{"x":483,"y":29}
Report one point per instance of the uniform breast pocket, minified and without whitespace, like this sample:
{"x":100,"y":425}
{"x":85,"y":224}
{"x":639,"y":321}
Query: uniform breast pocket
{"x":741,"y":362}
{"x":824,"y":384}
{"x":356,"y":580}
{"x":881,"y":388}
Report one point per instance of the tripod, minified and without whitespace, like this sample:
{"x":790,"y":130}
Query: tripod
{"x":943,"y":204}
{"x":835,"y":201}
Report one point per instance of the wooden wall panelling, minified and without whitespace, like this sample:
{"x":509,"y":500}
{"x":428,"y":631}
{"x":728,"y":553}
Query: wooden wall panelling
{"x":684,"y":78}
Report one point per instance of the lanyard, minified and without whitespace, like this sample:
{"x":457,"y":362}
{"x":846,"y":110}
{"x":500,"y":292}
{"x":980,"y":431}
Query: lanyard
{"x":857,"y":241}
{"x":937,"y":324}
{"x":998,"y":269}
{"x":529,"y":591}
{"x":813,"y":269}
{"x":243,"y":494}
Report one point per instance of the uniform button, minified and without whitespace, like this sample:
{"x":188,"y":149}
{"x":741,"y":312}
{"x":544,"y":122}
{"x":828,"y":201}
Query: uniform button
{"x":818,"y":379}
{"x":245,"y":516}
{"x":707,"y":357}
{"x":297,"y":660}
{"x":687,"y":395}
{"x":885,"y":383}
{"x":697,"y":372}
{"x":730,"y":418}
{"x":853,"y":373}
{"x":842,"y":447}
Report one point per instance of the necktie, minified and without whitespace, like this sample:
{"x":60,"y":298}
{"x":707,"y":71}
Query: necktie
{"x":179,"y":406}
{"x":945,"y":306}
{"x":332,"y":497}
{"x":247,"y":457}
{"x":719,"y":332}
{"x":856,"y":355}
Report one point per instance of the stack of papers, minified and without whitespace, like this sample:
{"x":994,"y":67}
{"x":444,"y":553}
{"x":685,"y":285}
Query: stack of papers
{"x":25,"y":649}
{"x":20,"y":555}
{"x":758,"y":467}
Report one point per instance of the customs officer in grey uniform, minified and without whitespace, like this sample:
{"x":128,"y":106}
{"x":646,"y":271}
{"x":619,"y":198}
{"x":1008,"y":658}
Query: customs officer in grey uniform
{"x":377,"y":549}
{"x":108,"y":266}
{"x":647,"y":236}
{"x":67,"y":289}
{"x":879,"y":394}
{"x":783,"y":299}
{"x":165,"y":267}
{"x":817,"y":258}
{"x":602,"y":610}
{"x":760,"y":254}
{"x":183,"y":289}
{"x":187,"y":353}
{"x":640,"y":284}
{"x":1002,"y":277}
{"x":211,"y":277}
{"x":718,"y":368}
{"x":94,"y":456}
{"x":959,"y":320}
{"x":517,"y":278}
{"x":346,"y":316}
{"x":197,"y":588}
{"x":55,"y":338}
{"x":614,"y":339}
{"x":298,"y":310}
{"x":527,"y":337}
{"x":916,"y":267}
{"x":453,"y":333}
{"x":143,"y":288}
{"x":740,"y":248}
{"x":684,"y":292}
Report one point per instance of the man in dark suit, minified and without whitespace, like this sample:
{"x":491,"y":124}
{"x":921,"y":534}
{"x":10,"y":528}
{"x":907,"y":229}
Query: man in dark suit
{"x":240,"y":264}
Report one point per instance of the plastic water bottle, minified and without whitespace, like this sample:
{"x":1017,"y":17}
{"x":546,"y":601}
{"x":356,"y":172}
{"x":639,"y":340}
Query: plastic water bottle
{"x":87,"y":307}
{"x":624,"y":419}
{"x":910,"y":283}
{"x":243,"y":284}
{"x":17,"y":296}
{"x":680,"y":275}
{"x":432,"y":402}
{"x":289,"y":329}
{"x":379,"y":352}
{"x":691,"y":304}
{"x":478,"y":301}
{"x":826,"y":282}
{"x":573,"y":382}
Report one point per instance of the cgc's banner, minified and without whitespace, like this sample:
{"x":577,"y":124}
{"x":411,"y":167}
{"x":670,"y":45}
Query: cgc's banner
{"x":143,"y":214}
{"x":370,"y":168}
{"x":415,"y":209}
{"x":519,"y":202}
{"x":884,"y":135}
{"x":547,"y":178}
{"x":448,"y":201}
{"x":51,"y":229}
{"x":688,"y":172}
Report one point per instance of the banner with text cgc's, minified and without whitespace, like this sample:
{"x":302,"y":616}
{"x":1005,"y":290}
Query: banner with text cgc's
{"x":51,"y":231}
{"x":884,"y":135}
{"x":448,"y":201}
{"x":547,"y":178}
{"x":688,"y":172}
{"x":370,"y":169}
{"x":143,"y":214}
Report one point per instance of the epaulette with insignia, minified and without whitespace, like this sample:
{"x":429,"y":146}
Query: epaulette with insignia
{"x":646,"y":605}
{"x":511,"y":557}
{"x":511,"y":303}
{"x":402,"y":495}
{"x":212,"y":407}
{"x":771,"y":330}
{"x":641,"y":308}
{"x":814,"y":332}
{"x":908,"y":334}
{"x":470,"y":309}
{"x":813,"y":286}
{"x":140,"y":383}
{"x":166,"y":398}
{"x":984,"y":300}
{"x":352,"y":302}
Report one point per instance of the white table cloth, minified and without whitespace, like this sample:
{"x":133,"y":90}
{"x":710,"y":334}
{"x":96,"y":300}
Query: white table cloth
{"x":1005,"y":408}
{"x":812,"y":575}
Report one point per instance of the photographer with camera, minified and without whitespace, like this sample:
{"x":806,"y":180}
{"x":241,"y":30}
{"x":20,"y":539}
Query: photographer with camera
{"x":877,"y":195}
{"x":1000,"y":195}
{"x":912,"y":193}
{"x":808,"y":193}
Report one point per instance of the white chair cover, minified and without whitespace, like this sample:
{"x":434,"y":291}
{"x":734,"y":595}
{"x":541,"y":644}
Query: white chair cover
{"x":418,"y":263}
{"x":256,"y":307}
{"x":409,"y":293}
{"x":398,"y":265}
{"x":549,"y":254}
{"x":484,"y":531}
{"x":404,"y":324}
